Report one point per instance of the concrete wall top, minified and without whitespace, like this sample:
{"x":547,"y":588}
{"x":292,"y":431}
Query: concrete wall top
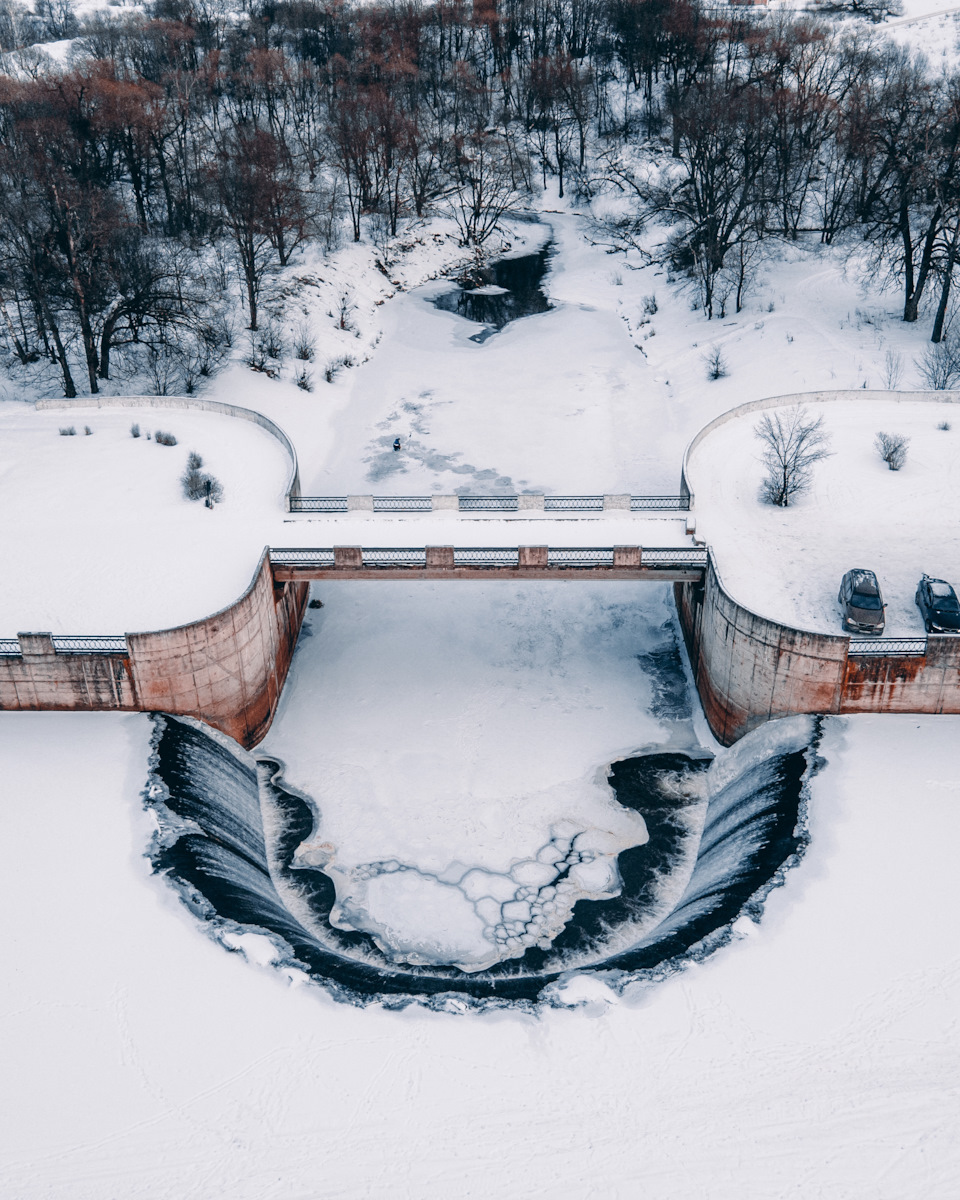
{"x":197,"y":404}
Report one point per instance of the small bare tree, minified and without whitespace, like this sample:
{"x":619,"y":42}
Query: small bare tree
{"x":793,"y":443}
{"x":892,"y":370}
{"x":892,"y":448}
{"x":715,"y":363}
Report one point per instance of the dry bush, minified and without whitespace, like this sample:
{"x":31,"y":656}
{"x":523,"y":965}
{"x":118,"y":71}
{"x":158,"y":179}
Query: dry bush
{"x":892,"y":448}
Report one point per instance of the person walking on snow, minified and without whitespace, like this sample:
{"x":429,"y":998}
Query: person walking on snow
{"x":396,"y":443}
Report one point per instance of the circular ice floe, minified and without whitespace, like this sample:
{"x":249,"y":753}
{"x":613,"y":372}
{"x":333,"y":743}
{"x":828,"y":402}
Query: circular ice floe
{"x":469,"y":917}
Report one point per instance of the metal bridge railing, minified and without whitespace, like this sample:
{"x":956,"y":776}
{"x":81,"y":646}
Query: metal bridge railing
{"x":571,"y":503}
{"x":481,"y":556}
{"x":292,"y":556}
{"x":487,"y":556}
{"x":674,"y":556}
{"x":9,"y":645}
{"x":645,"y":503}
{"x":323,"y":504}
{"x":90,"y":644}
{"x":580,"y":556}
{"x":879,"y":647}
{"x":394,"y":557}
{"x":402,"y":504}
{"x":338,"y":504}
{"x":488,"y":503}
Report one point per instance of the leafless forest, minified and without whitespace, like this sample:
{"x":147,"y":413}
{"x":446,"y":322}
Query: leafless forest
{"x":181,"y":156}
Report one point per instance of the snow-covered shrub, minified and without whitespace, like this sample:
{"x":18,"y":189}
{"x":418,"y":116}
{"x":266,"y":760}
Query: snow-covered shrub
{"x":164,"y":439}
{"x":715,"y":363}
{"x":793,"y":442}
{"x":87,"y":431}
{"x":939,"y":365}
{"x":892,"y":448}
{"x":945,"y":426}
{"x":333,"y":369}
{"x":304,"y":380}
{"x":272,"y":337}
{"x":345,"y":308}
{"x":197,"y":485}
{"x":135,"y":430}
{"x":304,"y":344}
{"x":650,"y":305}
{"x":67,"y":431}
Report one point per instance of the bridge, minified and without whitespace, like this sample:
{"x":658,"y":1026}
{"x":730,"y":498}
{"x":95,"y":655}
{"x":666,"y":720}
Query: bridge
{"x":679,"y":564}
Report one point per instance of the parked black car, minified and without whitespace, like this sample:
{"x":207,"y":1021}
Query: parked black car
{"x":938,"y":606}
{"x":861,"y":605}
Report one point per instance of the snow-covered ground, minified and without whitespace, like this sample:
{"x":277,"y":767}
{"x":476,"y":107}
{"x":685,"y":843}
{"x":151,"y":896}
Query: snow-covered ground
{"x":96,"y":536}
{"x":817,"y":1056}
{"x":857,"y":513}
{"x":596,"y":395}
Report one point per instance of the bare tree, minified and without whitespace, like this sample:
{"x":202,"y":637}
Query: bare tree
{"x":939,"y":365}
{"x":484,"y":185}
{"x":892,"y":448}
{"x":793,"y":443}
{"x":892,"y":370}
{"x":716,"y":364}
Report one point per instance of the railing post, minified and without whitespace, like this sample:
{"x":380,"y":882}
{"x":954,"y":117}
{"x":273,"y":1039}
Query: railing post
{"x":626,"y":556}
{"x":347,"y":558}
{"x":440,"y":557}
{"x":359,"y":504}
{"x":36,"y":643}
{"x":529,"y":503}
{"x":532,"y":556}
{"x":618,"y":502}
{"x":444,"y":503}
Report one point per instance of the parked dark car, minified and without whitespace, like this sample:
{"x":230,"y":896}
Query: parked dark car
{"x":938,"y":606}
{"x":861,"y":605}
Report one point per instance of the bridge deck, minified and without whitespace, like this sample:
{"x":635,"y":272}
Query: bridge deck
{"x":291,"y":572}
{"x":664,"y":564}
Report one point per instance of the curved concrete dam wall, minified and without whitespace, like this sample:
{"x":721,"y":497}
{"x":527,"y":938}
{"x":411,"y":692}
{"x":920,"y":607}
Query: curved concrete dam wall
{"x":749,"y":669}
{"x":227,"y":669}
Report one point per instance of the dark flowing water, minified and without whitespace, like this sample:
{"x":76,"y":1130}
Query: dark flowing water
{"x":229,"y":828}
{"x":518,"y":283}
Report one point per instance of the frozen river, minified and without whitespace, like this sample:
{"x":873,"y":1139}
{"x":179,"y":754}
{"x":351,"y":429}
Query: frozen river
{"x":475,"y":789}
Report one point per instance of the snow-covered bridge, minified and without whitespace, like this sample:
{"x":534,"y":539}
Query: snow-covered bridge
{"x":663,"y":564}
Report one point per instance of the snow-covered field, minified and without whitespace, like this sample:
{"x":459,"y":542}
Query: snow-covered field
{"x":857,"y":513}
{"x":817,"y":1056}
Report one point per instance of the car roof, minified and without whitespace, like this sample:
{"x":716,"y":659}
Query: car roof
{"x":940,"y":587}
{"x":863,"y":581}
